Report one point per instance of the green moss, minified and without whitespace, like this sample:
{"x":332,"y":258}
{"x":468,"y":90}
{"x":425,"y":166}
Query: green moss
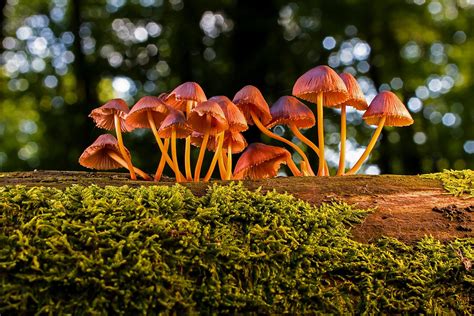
{"x":456,"y":182}
{"x":121,"y":250}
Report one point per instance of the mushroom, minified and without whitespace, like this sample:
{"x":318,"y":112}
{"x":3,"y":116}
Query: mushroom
{"x":255,"y":109}
{"x":260,"y":161}
{"x":149,"y":112}
{"x":175,"y":126}
{"x":209,"y":119}
{"x":185,"y":97}
{"x":105,"y":154}
{"x":357,"y":100}
{"x":320,"y":85}
{"x":386,"y":109}
{"x":112,"y":116}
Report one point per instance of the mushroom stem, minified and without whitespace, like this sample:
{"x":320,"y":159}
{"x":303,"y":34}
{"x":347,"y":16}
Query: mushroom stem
{"x":293,"y":167}
{"x":275,"y":136}
{"x":229,"y":161}
{"x":342,"y":155}
{"x":197,"y":170}
{"x":222,"y":166}
{"x":187,"y":148}
{"x":164,"y":151}
{"x":174,"y":155}
{"x":161,"y":165}
{"x":124,"y":164}
{"x":118,"y":132}
{"x":217,"y":154}
{"x":306,"y":141}
{"x":369,"y":148}
{"x":322,"y":161}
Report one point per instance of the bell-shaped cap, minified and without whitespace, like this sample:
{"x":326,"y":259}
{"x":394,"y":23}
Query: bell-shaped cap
{"x":103,"y":116}
{"x":356,"y":96}
{"x":188,"y":91}
{"x":289,"y":110}
{"x":236,"y":141}
{"x":177,"y":120}
{"x":235,"y":118}
{"x":95,"y":156}
{"x":387,"y":104}
{"x":250,"y":99}
{"x":138,"y":115}
{"x":208,"y":109}
{"x":321,"y":79}
{"x":260,"y":161}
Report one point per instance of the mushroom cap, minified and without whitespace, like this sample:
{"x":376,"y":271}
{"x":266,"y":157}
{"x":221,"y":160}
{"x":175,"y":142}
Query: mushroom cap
{"x":387,"y":104}
{"x":188,"y":91}
{"x":197,"y":118}
{"x":177,"y":120}
{"x":138,"y":117}
{"x":103,"y":116}
{"x":248,"y":99}
{"x":288,"y":109}
{"x":95,"y":156}
{"x":356,"y":96}
{"x":321,"y":79}
{"x":235,"y":118}
{"x":260,"y":161}
{"x":235,"y":139}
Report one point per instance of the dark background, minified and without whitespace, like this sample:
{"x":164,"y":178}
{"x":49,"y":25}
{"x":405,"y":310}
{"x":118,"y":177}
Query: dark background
{"x":61,"y":58}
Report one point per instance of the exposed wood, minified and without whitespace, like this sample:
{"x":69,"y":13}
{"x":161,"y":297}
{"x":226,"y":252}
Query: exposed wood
{"x":403,"y":204}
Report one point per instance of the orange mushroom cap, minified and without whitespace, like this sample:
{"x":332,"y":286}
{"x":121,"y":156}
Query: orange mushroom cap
{"x":197,"y":118}
{"x":356,"y":96}
{"x":387,"y":104}
{"x":260,"y":161}
{"x":177,"y":120}
{"x":249,"y":98}
{"x":188,"y":91}
{"x":138,"y":117}
{"x":95,"y":156}
{"x":103,"y":116}
{"x":235,"y":118}
{"x":321,"y":79}
{"x":235,"y":139}
{"x":289,"y":110}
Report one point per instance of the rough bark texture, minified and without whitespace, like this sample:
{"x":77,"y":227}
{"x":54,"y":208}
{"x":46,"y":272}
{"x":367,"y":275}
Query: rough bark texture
{"x":403,"y":204}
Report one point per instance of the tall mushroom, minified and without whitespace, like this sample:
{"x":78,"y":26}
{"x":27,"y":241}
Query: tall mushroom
{"x":357,"y":100}
{"x":112,"y":116}
{"x":105,"y":154}
{"x":175,"y":126}
{"x":386,"y":109}
{"x":260,"y":161}
{"x":209,"y":119}
{"x":185,"y":97}
{"x":320,"y":85}
{"x":255,"y":109}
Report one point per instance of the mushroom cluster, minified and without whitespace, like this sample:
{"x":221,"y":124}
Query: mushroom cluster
{"x":217,"y":124}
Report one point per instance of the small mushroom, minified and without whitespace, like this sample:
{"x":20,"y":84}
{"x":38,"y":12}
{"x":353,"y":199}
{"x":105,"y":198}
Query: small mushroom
{"x":357,"y":100}
{"x":105,"y":154}
{"x":260,"y":161}
{"x":320,"y":85}
{"x":386,"y":109}
{"x":185,"y":97}
{"x":112,"y":116}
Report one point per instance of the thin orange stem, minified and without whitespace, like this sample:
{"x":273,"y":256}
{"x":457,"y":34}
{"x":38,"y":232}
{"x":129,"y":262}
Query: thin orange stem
{"x":118,"y":132}
{"x":124,"y":164}
{"x":293,"y":167}
{"x":229,"y":161}
{"x":174,"y":154}
{"x":217,"y":154}
{"x":222,"y":166}
{"x":197,"y":170}
{"x":161,"y":165}
{"x":187,"y":148}
{"x":342,"y":155}
{"x":319,"y":108}
{"x":369,"y":148}
{"x":306,"y":141}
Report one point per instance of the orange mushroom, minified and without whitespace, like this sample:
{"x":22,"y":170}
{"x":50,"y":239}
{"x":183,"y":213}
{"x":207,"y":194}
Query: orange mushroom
{"x":255,"y":109}
{"x":105,"y":154}
{"x":175,"y":126}
{"x":357,"y":100}
{"x":112,"y":116}
{"x":209,"y":119}
{"x":321,"y":85}
{"x":260,"y":161}
{"x":386,"y":109}
{"x":185,"y":97}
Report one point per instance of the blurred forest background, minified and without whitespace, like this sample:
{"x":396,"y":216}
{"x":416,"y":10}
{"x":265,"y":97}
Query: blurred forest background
{"x":59,"y":59}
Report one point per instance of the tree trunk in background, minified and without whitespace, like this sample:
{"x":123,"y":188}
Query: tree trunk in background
{"x":3,"y":3}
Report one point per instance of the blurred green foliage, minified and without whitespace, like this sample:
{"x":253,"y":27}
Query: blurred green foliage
{"x":61,"y":58}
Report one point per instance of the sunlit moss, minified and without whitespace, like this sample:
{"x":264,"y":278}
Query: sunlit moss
{"x":456,"y":182}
